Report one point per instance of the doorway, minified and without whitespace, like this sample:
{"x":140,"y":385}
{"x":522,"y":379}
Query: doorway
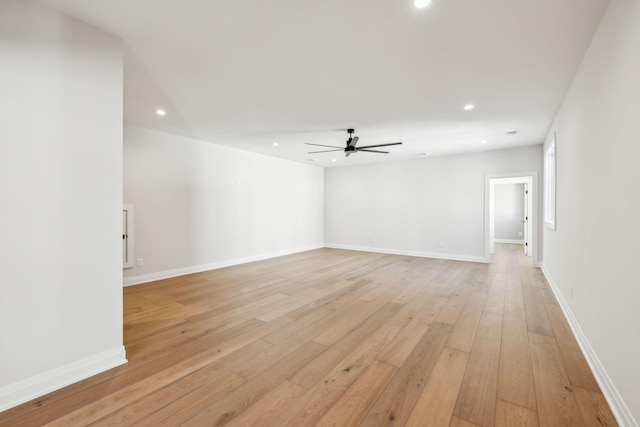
{"x":511,"y":213}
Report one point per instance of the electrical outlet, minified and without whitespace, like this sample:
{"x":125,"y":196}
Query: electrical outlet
{"x":519,"y":233}
{"x":140,"y":262}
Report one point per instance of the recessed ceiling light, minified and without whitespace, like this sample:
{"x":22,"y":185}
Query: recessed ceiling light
{"x":161,"y":112}
{"x":275,"y":144}
{"x":482,"y":141}
{"x":421,"y":3}
{"x":468,"y":107}
{"x":333,"y":160}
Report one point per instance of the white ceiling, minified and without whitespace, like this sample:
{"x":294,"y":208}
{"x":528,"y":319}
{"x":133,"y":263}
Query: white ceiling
{"x":248,"y":73}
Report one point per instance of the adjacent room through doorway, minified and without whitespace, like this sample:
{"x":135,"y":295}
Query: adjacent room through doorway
{"x":511,"y":213}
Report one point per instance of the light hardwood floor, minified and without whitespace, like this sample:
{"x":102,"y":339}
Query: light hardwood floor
{"x":341,"y":338}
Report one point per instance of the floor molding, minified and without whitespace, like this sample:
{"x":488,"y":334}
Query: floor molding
{"x":618,"y":407}
{"x":167,"y":274}
{"x":437,"y":255}
{"x":509,"y":241}
{"x":39,"y":385}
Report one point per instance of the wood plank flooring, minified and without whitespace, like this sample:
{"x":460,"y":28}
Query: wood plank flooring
{"x":340,"y":338}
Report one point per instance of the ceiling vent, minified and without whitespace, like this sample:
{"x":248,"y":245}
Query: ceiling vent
{"x":511,"y":133}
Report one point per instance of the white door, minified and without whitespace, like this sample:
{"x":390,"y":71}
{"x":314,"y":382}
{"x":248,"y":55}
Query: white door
{"x":127,"y":236}
{"x":525,"y":221}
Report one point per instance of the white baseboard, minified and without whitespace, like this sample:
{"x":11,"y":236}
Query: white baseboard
{"x":152,"y":277}
{"x":23,"y":391}
{"x":437,"y":255}
{"x":618,"y":407}
{"x":510,"y":241}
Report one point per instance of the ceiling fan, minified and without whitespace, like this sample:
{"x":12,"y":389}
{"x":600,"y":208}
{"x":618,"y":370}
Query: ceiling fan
{"x":351,"y":146}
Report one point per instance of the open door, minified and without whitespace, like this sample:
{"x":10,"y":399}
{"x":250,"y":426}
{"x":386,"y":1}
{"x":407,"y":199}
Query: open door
{"x":127,"y":236}
{"x":526,"y":219}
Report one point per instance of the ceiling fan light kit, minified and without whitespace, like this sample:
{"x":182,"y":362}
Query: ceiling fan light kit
{"x":351,"y":146}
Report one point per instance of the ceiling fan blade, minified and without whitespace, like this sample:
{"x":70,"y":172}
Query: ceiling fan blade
{"x":380,"y":145}
{"x":325,"y":151}
{"x":373,"y":151}
{"x":353,"y":141}
{"x":321,"y":145}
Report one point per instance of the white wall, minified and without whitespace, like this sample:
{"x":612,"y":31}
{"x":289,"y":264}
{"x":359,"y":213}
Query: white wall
{"x":199,"y":205}
{"x":411,"y":206}
{"x":61,"y":193}
{"x":509,"y":211}
{"x":595,"y":246}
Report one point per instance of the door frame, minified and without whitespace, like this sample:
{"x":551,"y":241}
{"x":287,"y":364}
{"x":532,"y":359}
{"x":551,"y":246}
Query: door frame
{"x":515,"y":178}
{"x":528,"y":213}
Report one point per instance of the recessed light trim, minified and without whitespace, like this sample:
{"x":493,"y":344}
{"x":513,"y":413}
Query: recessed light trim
{"x":482,"y":141}
{"x":161,"y":112}
{"x":333,"y":160}
{"x":275,"y":144}
{"x":469,"y":107}
{"x":421,"y":3}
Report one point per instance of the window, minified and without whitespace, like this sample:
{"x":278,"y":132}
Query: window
{"x":550,"y":185}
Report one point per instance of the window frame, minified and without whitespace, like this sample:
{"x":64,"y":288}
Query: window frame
{"x":549,"y":190}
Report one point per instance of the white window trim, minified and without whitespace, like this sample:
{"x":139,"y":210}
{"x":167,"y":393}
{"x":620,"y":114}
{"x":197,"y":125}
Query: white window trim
{"x":549,"y":190}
